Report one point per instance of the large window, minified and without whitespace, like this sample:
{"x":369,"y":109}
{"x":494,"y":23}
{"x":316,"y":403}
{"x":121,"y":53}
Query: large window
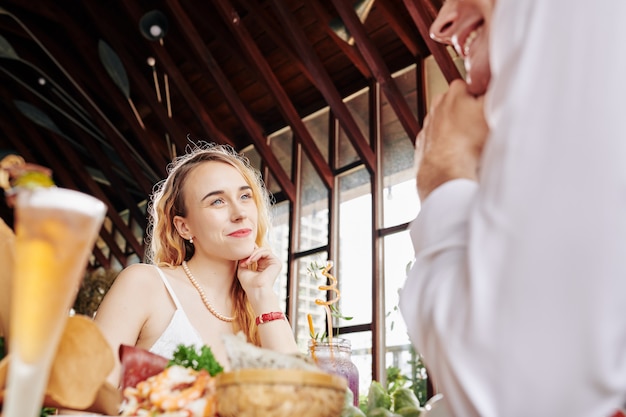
{"x":366,"y":239}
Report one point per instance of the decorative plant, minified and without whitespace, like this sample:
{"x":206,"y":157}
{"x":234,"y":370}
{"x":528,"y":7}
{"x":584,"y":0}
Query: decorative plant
{"x":332,"y":311}
{"x":399,"y":387}
{"x":419,"y":377}
{"x":92,"y":290}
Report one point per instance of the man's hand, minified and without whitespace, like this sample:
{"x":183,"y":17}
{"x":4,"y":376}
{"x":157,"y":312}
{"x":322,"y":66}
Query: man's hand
{"x":450,"y":144}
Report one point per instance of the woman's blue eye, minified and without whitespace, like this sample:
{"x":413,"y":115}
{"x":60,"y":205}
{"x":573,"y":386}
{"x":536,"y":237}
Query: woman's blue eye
{"x":246,"y":196}
{"x":217,"y":202}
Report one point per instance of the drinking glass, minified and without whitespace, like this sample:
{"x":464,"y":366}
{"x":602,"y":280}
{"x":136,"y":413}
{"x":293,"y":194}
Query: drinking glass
{"x":335,"y":357}
{"x":55,"y":231}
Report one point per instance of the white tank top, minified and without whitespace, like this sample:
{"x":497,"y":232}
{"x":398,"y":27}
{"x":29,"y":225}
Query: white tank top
{"x":178,"y":331}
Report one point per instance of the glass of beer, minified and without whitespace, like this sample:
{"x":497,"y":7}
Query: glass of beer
{"x":55,"y":232}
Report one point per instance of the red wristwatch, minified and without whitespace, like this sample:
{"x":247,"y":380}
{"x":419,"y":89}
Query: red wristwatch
{"x":274,"y":315}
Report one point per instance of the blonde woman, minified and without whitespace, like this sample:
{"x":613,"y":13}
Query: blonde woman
{"x":209,"y":272}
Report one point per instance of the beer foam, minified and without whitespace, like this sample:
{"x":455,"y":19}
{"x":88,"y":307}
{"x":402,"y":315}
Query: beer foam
{"x":62,"y":198}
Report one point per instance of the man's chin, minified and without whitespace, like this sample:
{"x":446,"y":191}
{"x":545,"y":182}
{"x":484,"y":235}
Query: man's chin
{"x":477,"y":86}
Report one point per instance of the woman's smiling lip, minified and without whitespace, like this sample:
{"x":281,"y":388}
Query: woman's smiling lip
{"x":240,"y":233}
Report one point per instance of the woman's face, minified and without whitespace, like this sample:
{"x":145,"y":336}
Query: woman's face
{"x":221,"y":212}
{"x":464,"y":24}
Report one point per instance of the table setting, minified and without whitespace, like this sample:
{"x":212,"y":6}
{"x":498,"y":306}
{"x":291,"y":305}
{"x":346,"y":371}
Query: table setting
{"x":57,"y":363}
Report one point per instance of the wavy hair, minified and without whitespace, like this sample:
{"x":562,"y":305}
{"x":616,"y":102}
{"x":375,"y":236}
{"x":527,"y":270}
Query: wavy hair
{"x":167,"y":248}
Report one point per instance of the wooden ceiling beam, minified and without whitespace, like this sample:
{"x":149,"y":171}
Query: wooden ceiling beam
{"x":390,"y":12}
{"x":95,"y":151}
{"x":423,"y":19}
{"x":62,"y":177}
{"x":324,"y":83}
{"x":170,"y":67}
{"x":67,"y":179}
{"x":10,"y":139}
{"x":257,"y":60}
{"x":432,"y":7}
{"x":239,"y":109}
{"x":52,"y":50}
{"x":12,"y":136}
{"x":116,"y":183}
{"x":270,"y":24}
{"x":145,"y":89}
{"x":349,"y":50}
{"x":378,"y":67}
{"x":99,"y":78}
{"x":95,"y":190}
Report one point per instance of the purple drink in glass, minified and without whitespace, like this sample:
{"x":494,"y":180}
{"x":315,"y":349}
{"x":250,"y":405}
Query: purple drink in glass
{"x":336,"y":358}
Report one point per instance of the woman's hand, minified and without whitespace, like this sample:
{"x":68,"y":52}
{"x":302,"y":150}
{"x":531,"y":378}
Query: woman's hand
{"x":257,"y":274}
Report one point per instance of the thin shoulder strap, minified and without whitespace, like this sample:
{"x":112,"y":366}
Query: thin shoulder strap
{"x":169,"y":288}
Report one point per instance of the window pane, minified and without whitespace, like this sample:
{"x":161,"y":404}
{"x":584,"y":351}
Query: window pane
{"x":308,"y":292}
{"x":281,"y":144}
{"x":253,"y":155}
{"x":313,"y":209}
{"x":399,"y":254}
{"x":317,"y":124}
{"x":401,"y":203}
{"x":406,"y":81}
{"x":278,"y":239}
{"x":355,"y":248}
{"x":399,"y":353}
{"x":359,"y":108}
{"x":362,"y":357}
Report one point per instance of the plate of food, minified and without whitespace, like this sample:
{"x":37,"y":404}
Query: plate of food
{"x":260,"y":382}
{"x":191,"y":384}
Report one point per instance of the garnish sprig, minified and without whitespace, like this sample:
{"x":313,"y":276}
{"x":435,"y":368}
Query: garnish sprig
{"x":329,"y":305}
{"x":17,"y":174}
{"x":189,"y":357}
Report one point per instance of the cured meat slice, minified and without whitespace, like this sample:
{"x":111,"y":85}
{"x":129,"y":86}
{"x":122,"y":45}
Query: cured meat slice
{"x":138,"y":364}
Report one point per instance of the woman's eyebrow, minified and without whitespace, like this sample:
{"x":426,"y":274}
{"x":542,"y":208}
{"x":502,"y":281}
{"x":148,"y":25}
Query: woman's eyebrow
{"x":219,"y":192}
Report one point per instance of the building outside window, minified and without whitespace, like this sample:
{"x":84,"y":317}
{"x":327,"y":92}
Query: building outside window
{"x":304,"y":235}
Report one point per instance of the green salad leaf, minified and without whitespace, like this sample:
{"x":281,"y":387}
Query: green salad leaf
{"x":189,"y":357}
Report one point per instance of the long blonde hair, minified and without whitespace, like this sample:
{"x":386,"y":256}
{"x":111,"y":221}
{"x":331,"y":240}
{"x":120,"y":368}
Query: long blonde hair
{"x":168,"y":248}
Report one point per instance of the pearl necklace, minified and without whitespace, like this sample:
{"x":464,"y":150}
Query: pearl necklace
{"x":203,"y":295}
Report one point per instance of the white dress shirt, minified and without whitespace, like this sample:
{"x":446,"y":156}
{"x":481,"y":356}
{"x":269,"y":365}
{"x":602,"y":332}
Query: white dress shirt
{"x":517,"y":298}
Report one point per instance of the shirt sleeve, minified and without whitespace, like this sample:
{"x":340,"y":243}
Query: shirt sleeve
{"x":433,"y":301}
{"x":516,"y":298}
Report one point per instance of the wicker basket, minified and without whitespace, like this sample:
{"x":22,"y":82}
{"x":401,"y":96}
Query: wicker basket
{"x":279,"y":393}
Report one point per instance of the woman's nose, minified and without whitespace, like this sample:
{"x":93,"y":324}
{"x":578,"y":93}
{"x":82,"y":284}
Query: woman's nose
{"x":442,"y":28}
{"x":239,"y":212}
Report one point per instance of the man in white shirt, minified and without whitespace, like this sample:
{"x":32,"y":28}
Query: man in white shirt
{"x":517,"y":298}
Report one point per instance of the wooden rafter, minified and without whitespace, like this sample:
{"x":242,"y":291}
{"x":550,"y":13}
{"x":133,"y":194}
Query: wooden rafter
{"x":233,"y":100}
{"x":126,"y":153}
{"x":291,"y":115}
{"x":270,"y":24}
{"x":378,"y":67}
{"x":404,"y":32}
{"x":65,"y":178}
{"x":423,"y":19}
{"x":350,"y":51}
{"x":179,"y":80}
{"x":325,"y":85}
{"x":146,"y":91}
{"x":154,"y":155}
{"x":236,"y":83}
